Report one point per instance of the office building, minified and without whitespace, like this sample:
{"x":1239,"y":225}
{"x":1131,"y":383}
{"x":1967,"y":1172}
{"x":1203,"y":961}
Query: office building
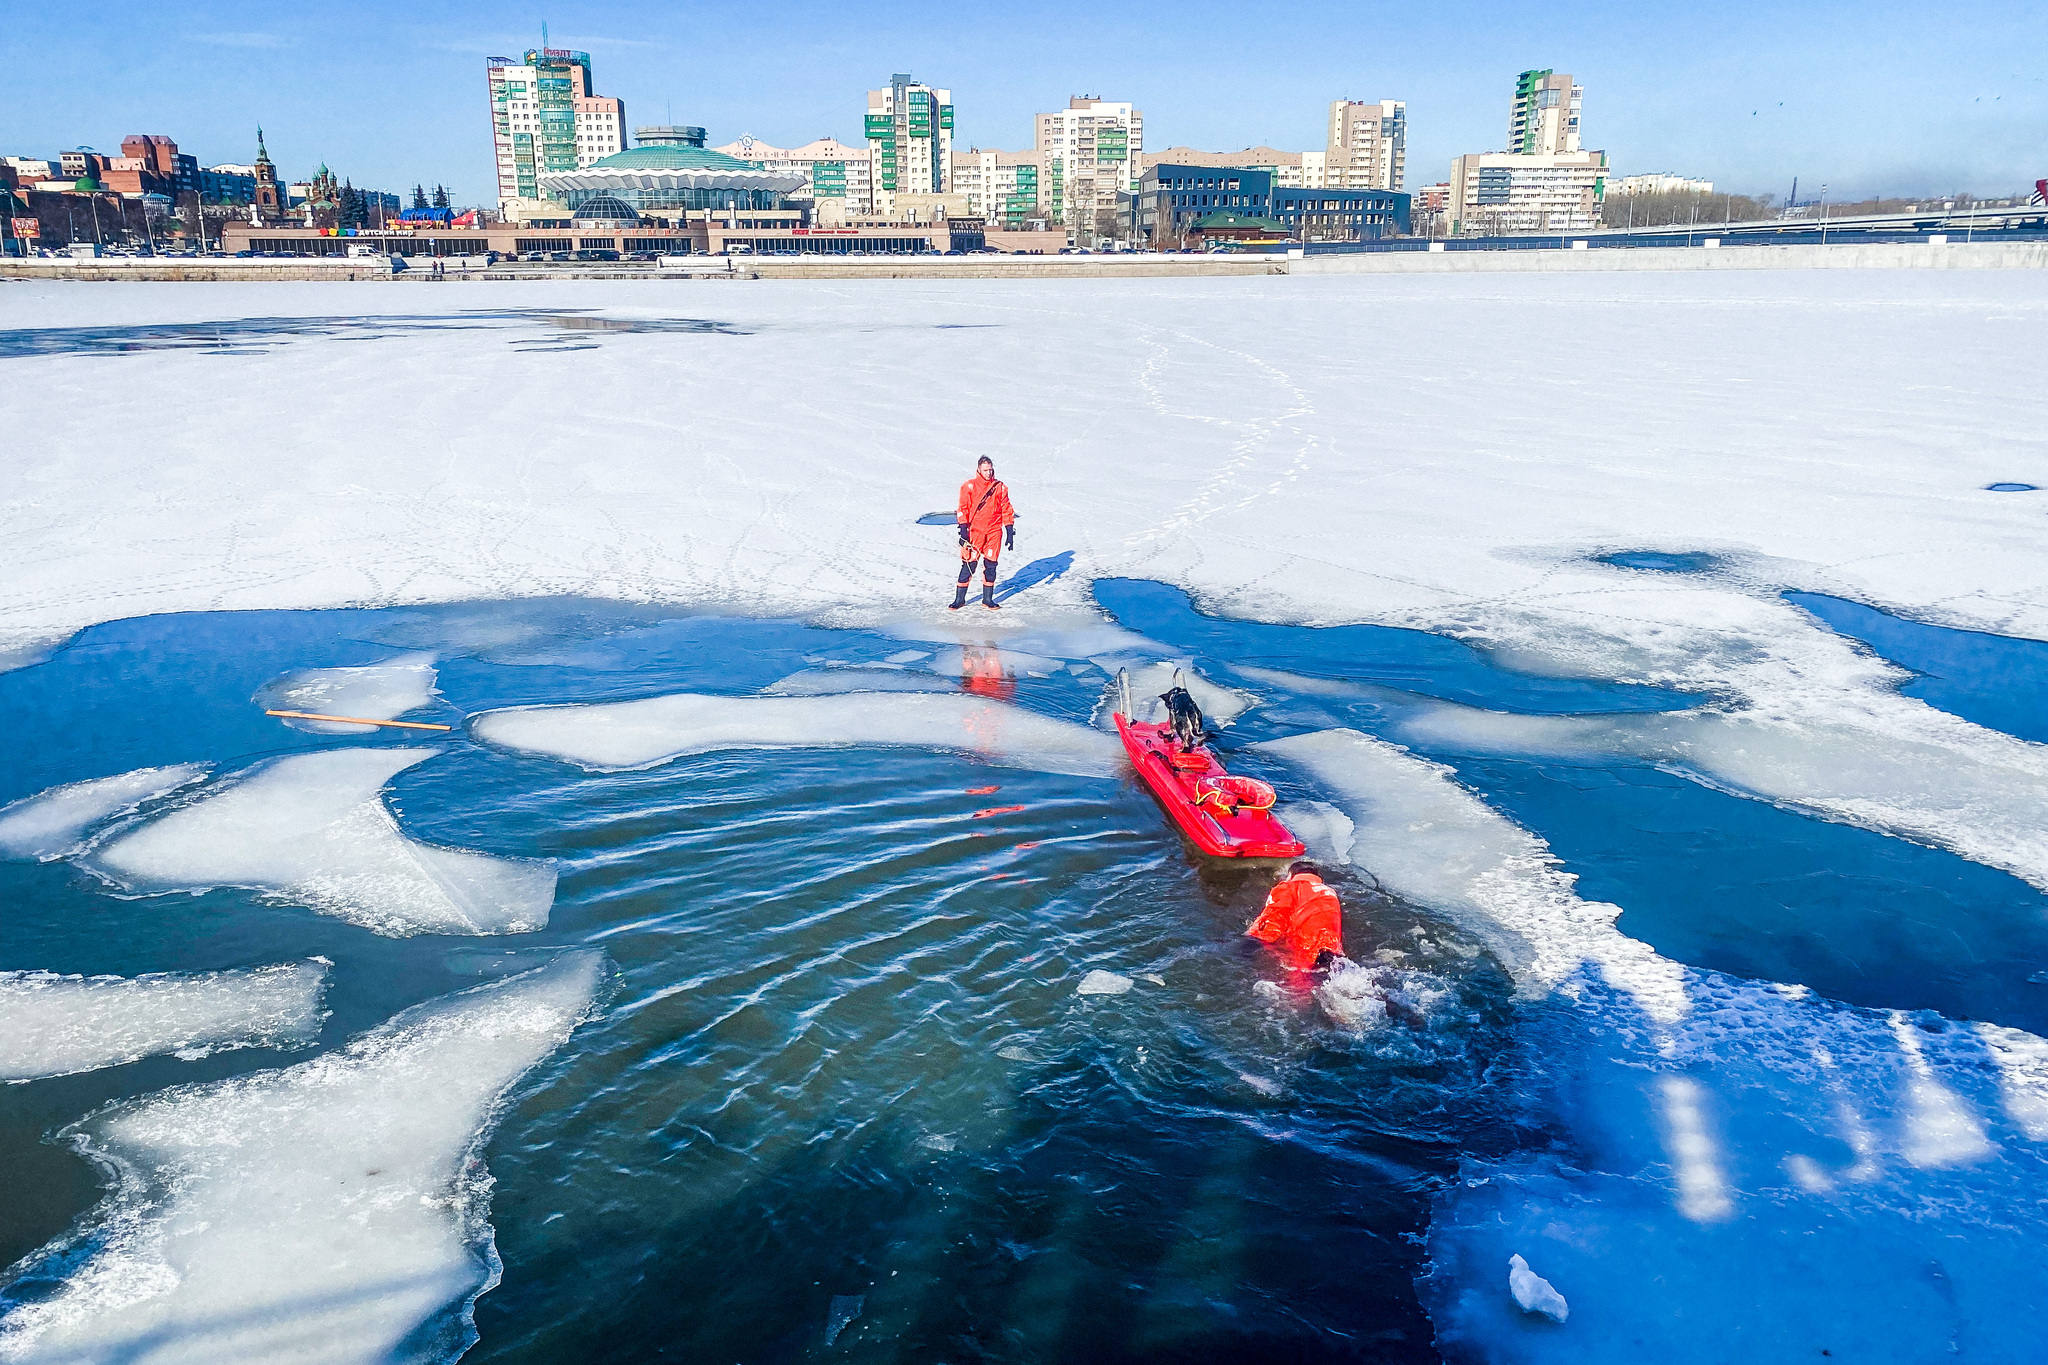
{"x":1093,"y":154}
{"x":1659,"y":182}
{"x":1172,"y":198}
{"x":830,"y":168}
{"x":909,"y":130}
{"x":1292,"y":170}
{"x":1005,"y":188}
{"x":1543,"y":120}
{"x":546,"y":116}
{"x":1499,"y":192}
{"x":1368,"y":145}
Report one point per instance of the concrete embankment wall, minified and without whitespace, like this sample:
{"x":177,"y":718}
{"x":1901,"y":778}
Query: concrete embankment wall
{"x":1011,"y":267}
{"x":1849,"y":256}
{"x":202,"y":269}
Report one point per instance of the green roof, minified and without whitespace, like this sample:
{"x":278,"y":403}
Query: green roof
{"x":670,"y":157}
{"x":1242,"y":220}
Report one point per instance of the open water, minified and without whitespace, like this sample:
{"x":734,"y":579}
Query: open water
{"x":844,"y":1100}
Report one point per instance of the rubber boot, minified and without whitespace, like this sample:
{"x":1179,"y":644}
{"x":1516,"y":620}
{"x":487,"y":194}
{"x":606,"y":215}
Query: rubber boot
{"x":960,"y":597}
{"x":988,"y":597}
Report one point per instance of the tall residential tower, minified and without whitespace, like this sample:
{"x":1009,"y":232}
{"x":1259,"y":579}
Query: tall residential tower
{"x":1544,"y":118}
{"x":909,"y":130}
{"x":1093,"y":150}
{"x":545,"y":117}
{"x":1368,"y":145}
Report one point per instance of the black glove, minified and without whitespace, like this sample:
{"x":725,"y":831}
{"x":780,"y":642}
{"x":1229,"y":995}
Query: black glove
{"x":963,"y":533}
{"x":1009,"y":537}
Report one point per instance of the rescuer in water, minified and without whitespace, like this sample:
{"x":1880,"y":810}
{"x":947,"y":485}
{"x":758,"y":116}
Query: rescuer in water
{"x":1301,"y":919}
{"x":988,"y":526}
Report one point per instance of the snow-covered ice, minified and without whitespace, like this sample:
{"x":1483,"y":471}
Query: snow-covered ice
{"x":52,"y":1025}
{"x":54,"y":823}
{"x":313,"y":830}
{"x":333,"y":1211}
{"x":638,"y":734}
{"x":382,"y":691}
{"x":1741,"y":1150}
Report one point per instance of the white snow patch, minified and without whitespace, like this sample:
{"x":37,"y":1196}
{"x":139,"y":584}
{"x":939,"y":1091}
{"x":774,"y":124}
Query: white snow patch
{"x":382,"y":691}
{"x":1533,"y":1293}
{"x":53,"y":1025}
{"x":639,"y":734}
{"x":327,"y":1212}
{"x":53,"y":824}
{"x":313,"y":830}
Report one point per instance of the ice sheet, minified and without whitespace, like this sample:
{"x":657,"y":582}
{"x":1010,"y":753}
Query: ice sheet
{"x":334,"y":1211}
{"x":1733,"y":1152}
{"x":313,"y":830}
{"x":1892,"y":765}
{"x":53,"y":824}
{"x":382,"y":691}
{"x":53,"y":1025}
{"x":814,"y":682}
{"x":638,"y":734}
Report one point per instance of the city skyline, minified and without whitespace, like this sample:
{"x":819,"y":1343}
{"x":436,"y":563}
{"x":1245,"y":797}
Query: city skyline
{"x":1748,"y":100}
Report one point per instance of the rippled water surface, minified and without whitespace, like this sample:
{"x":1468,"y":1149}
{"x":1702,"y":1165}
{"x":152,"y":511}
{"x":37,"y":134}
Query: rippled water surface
{"x":844,"y":1079}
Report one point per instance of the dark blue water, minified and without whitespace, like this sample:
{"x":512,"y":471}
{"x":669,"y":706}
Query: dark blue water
{"x":845,"y":1057}
{"x":250,"y":336}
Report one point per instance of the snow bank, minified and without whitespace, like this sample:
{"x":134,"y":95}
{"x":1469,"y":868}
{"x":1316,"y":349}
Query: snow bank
{"x":1741,"y":1152}
{"x":639,"y":734}
{"x":53,"y":824}
{"x":53,"y":1025}
{"x":334,"y":1211}
{"x":383,"y":691}
{"x":313,"y":830}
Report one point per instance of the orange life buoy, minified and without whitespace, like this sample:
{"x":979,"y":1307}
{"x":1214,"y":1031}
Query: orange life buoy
{"x":1228,"y":792}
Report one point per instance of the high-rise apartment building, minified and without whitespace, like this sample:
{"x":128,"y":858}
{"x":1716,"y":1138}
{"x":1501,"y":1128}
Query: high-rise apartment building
{"x":909,"y":130}
{"x":1006,"y":188}
{"x":830,"y":168}
{"x":1093,"y":151}
{"x":545,"y":116}
{"x":1368,"y":145}
{"x":1502,"y":192}
{"x":1544,"y":118}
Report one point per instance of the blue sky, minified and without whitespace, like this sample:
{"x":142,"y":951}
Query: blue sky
{"x":1870,"y":98}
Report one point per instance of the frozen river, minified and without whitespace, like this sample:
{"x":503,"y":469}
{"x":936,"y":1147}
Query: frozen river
{"x":1656,"y":665}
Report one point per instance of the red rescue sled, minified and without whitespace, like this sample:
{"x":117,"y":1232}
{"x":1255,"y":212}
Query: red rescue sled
{"x":1221,"y":828}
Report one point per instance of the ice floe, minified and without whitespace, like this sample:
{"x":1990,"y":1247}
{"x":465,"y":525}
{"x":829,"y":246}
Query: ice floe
{"x":313,"y":830}
{"x":825,"y":682}
{"x":332,"y":1211}
{"x":53,"y":824}
{"x":1533,"y":1293}
{"x":639,"y":734}
{"x":382,"y":691}
{"x":1737,"y":1150}
{"x":1099,"y":982}
{"x":1890,"y":764}
{"x":52,"y":1025}
{"x":1220,"y":705}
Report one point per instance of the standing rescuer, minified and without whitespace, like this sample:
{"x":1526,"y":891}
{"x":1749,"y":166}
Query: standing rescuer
{"x":1301,"y":918}
{"x":988,"y":526}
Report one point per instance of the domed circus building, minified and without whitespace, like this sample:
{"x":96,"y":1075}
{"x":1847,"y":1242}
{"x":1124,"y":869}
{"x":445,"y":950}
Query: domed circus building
{"x":670,"y":177}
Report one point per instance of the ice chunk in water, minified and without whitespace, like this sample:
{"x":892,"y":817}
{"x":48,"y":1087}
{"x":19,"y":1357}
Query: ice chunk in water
{"x":1099,"y":982}
{"x":1220,"y":705}
{"x":844,"y":1309}
{"x":53,"y":824}
{"x":53,"y":1025}
{"x":1323,"y":829}
{"x":313,"y":830}
{"x":383,"y":691}
{"x":1532,"y":1292}
{"x":331,"y":1211}
{"x":639,"y":734}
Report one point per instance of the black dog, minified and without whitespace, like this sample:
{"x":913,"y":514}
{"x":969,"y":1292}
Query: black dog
{"x":1186,"y":716}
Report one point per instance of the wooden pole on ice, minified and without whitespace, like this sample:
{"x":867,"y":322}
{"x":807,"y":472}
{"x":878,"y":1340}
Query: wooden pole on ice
{"x":359,"y":720}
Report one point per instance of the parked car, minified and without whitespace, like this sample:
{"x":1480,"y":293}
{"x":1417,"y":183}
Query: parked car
{"x":597,"y":254}
{"x":561,"y":256}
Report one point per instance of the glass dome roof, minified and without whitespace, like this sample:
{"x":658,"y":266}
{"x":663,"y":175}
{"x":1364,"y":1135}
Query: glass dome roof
{"x":606,"y":206}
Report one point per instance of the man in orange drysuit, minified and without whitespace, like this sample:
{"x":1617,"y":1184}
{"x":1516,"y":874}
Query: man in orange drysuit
{"x":1301,"y":919}
{"x":988,"y":525}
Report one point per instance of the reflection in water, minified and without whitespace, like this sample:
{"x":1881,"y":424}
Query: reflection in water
{"x":982,"y":673}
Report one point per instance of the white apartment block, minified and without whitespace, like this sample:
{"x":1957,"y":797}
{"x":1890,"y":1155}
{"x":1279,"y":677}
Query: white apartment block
{"x":1493,"y":193}
{"x":1368,"y":145}
{"x":831,"y":169}
{"x":1544,"y":117}
{"x":544,"y":117}
{"x":1290,"y":170}
{"x":1093,"y":151}
{"x":909,"y":131}
{"x":1002,"y":187}
{"x":1659,"y":182}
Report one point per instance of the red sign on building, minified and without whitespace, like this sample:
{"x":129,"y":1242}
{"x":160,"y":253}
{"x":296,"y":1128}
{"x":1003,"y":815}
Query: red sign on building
{"x":27,"y":227}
